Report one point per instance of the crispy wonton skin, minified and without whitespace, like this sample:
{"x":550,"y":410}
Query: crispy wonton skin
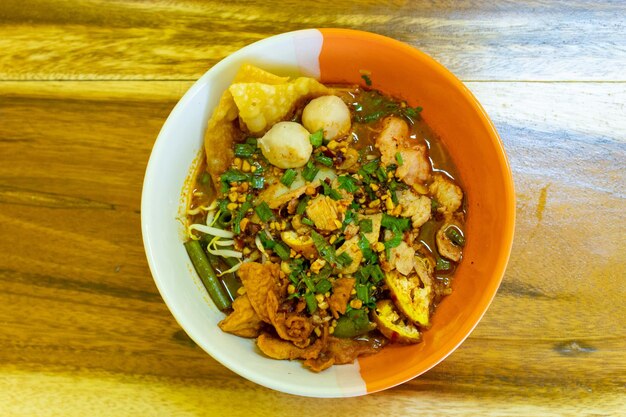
{"x":277,"y":348}
{"x":243,"y":321}
{"x":259,"y":99}
{"x":338,"y":301}
{"x":340,"y":351}
{"x":259,"y":280}
{"x":222,"y":129}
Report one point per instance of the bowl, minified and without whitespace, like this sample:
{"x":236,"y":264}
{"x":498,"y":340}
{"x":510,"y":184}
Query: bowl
{"x":337,"y":56}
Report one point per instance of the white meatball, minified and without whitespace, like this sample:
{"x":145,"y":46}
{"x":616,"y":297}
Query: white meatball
{"x":286,"y":145}
{"x":329,"y":113}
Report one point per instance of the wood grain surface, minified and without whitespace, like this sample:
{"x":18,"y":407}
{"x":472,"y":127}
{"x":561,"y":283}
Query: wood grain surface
{"x":84,"y":89}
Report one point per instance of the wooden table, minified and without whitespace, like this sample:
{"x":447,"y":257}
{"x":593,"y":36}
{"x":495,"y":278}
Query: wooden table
{"x":85,"y":86}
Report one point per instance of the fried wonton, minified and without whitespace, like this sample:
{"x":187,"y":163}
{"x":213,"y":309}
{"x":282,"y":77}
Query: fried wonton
{"x":262,"y":105}
{"x":222,"y":129}
{"x":260,"y":99}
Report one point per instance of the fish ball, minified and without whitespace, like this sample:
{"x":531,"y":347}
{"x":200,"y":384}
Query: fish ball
{"x":286,"y":145}
{"x":329,"y":113}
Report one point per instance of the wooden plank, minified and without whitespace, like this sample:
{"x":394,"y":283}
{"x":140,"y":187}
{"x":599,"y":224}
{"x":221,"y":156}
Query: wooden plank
{"x":477,"y":40}
{"x":81,"y":313}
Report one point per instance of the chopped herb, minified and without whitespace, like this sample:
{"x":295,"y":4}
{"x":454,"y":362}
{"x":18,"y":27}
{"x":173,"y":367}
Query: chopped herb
{"x":251,"y":141}
{"x":381,"y":174}
{"x":301,"y":208}
{"x":362,"y":292}
{"x":259,"y":169}
{"x":399,"y":158}
{"x":323,"y":286}
{"x":455,"y":236}
{"x":366,"y":178}
{"x":377,"y":274}
{"x":369,"y":255}
{"x":366,"y":225}
{"x":395,"y":224}
{"x":326,"y":251}
{"x":334,"y":194}
{"x":257,"y":182}
{"x":374,"y":105}
{"x":244,"y":150}
{"x":434,"y":204}
{"x":443,"y":265}
{"x":394,"y":242}
{"x":371,"y":166}
{"x":282,"y":251}
{"x":317,"y":138}
{"x":307,"y":221}
{"x":288,"y":177}
{"x":324,"y":160}
{"x":344,"y":259}
{"x":233,"y":175}
{"x":311,"y":302}
{"x":264,"y":211}
{"x":310,"y":171}
{"x":350,"y":216}
{"x":239,"y":217}
{"x":367,"y":79}
{"x":347,"y":183}
{"x":266,"y":241}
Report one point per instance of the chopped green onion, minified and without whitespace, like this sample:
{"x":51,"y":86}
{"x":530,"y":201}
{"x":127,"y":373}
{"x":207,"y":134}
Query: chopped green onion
{"x":311,"y":302}
{"x":266,"y":241}
{"x":455,"y":236}
{"x":233,"y":175}
{"x":282,"y":251}
{"x":334,"y":194}
{"x":264,"y":211}
{"x":367,"y":79}
{"x":347,"y":183}
{"x":224,"y":219}
{"x":301,"y":208}
{"x":366,"y":225}
{"x":239,"y":217}
{"x":371,"y":166}
{"x":317,"y":138}
{"x":288,"y":177}
{"x":399,"y":159}
{"x":366,"y":177}
{"x":324,"y":160}
{"x":257,"y":182}
{"x":443,"y":265}
{"x":362,"y":292}
{"x":434,"y":204}
{"x":323,"y":286}
{"x":307,"y":221}
{"x":244,"y":150}
{"x":310,"y":171}
{"x":344,"y":259}
{"x":326,"y":251}
{"x":251,"y":141}
{"x":381,"y":174}
{"x":377,"y":274}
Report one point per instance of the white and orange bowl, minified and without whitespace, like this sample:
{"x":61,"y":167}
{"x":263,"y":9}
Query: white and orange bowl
{"x":336,"y":56}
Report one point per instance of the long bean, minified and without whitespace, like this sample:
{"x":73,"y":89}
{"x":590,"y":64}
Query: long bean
{"x":204,"y":269}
